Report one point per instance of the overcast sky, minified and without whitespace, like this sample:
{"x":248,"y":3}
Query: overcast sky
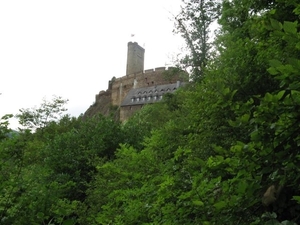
{"x":72,"y":48}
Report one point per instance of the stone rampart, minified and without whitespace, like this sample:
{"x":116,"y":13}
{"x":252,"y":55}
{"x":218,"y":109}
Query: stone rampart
{"x":151,"y":77}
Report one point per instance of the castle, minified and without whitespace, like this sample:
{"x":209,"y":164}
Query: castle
{"x":138,"y":87}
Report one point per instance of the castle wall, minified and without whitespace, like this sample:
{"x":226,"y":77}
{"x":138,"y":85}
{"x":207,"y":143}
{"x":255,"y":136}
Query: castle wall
{"x":121,"y":86}
{"x":128,"y":111}
{"x":102,"y":104}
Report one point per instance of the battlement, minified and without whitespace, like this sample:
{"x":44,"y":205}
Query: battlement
{"x":149,"y":71}
{"x":145,"y":72}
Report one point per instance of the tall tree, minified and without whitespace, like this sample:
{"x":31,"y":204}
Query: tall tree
{"x":194,"y":24}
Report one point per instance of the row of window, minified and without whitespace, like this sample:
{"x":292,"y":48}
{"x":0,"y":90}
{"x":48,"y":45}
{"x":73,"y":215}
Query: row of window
{"x":144,"y":98}
{"x":150,"y":92}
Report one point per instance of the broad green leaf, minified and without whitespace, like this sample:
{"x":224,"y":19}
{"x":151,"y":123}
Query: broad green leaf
{"x":218,"y":149}
{"x":290,"y":27}
{"x":280,"y":94}
{"x":255,"y":136}
{"x":245,"y":118}
{"x":268,"y":97}
{"x":220,"y":205}
{"x":198,"y":203}
{"x":233,"y":93}
{"x":40,"y":215}
{"x":275,"y":63}
{"x":272,"y":71}
{"x":233,"y":123}
{"x":242,"y":186}
{"x":276,"y":24}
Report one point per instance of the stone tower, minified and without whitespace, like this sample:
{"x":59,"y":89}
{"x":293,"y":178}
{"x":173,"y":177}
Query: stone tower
{"x":135,"y":58}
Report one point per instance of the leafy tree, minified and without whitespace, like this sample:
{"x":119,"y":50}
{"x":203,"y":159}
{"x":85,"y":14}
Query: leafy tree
{"x":151,"y":117}
{"x":39,"y":117}
{"x":194,"y":24}
{"x":27,"y":193}
{"x":4,"y":123}
{"x":73,"y":155}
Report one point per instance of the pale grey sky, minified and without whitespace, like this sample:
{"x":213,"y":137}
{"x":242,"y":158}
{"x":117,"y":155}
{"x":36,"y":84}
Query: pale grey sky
{"x":72,"y":48}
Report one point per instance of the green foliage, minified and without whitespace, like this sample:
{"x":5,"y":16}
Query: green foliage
{"x":175,"y":72}
{"x":26,"y":192}
{"x":206,"y":154}
{"x":151,"y":117}
{"x":39,"y":117}
{"x":4,"y":129}
{"x":72,"y":156}
{"x":193,"y":23}
{"x":44,"y":175}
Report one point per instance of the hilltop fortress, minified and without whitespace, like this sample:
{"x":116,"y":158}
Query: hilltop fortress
{"x":127,"y":94}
